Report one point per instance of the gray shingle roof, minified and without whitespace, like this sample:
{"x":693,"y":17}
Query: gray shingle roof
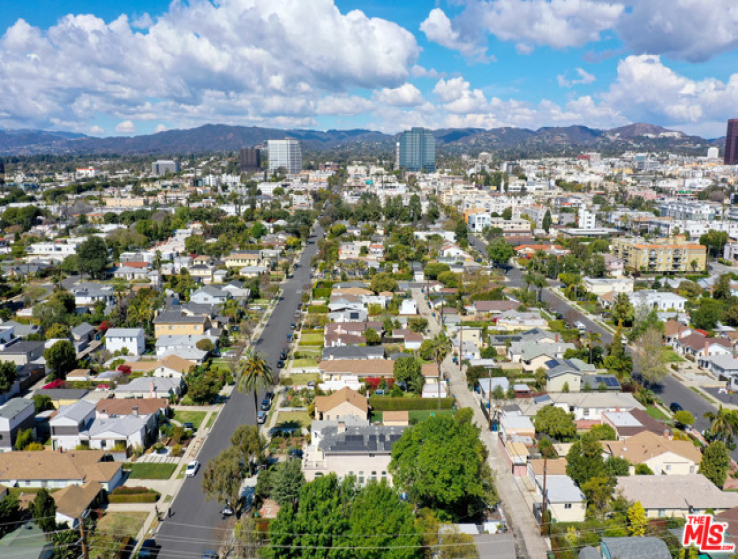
{"x":637,"y":548}
{"x":13,"y":407}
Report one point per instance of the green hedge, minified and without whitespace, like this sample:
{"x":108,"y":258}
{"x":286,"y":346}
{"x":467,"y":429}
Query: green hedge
{"x":318,"y":309}
{"x":324,"y":284}
{"x":381,"y":403}
{"x":322,"y":292}
{"x":133,"y":495}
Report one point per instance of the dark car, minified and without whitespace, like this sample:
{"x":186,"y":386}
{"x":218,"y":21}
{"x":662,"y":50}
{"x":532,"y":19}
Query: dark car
{"x":189,"y":425}
{"x":266,"y":403}
{"x":210,"y":554}
{"x":148,"y":549}
{"x":293,"y":325}
{"x":675,"y":407}
{"x":283,"y":355}
{"x":280,"y":364}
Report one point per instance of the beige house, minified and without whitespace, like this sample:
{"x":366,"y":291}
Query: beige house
{"x":340,"y":404}
{"x":564,"y":500}
{"x":337,"y":369}
{"x":396,"y":418}
{"x":676,"y":495}
{"x":241,"y":258}
{"x":176,"y":323}
{"x":663,"y":456}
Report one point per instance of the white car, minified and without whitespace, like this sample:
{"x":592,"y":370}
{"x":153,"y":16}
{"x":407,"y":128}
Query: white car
{"x":192,"y":468}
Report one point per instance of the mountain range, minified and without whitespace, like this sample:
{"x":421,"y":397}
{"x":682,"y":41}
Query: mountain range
{"x":221,"y":137}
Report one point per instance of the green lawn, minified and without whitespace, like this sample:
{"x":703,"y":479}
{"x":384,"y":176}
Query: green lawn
{"x":311,"y":338}
{"x":420,"y":415}
{"x":211,"y":420}
{"x":149,"y":470}
{"x":656,"y":413}
{"x":304,"y":378}
{"x":122,"y":524}
{"x":194,"y":417}
{"x":293,"y":417}
{"x":671,"y":356}
{"x":304,"y":363}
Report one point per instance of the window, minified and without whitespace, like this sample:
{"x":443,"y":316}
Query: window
{"x":361,"y":478}
{"x":567,"y":505}
{"x":668,"y":467}
{"x":662,"y":513}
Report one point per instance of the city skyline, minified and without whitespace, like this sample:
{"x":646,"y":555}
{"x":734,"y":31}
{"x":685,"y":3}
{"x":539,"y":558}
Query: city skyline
{"x":138,"y":67}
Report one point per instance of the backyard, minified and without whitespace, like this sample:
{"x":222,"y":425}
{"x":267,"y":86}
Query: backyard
{"x":121,"y":525}
{"x":304,"y":363}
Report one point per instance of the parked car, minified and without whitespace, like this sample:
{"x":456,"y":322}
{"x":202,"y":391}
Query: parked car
{"x":311,"y":384}
{"x":266,"y":403}
{"x":280,"y":364}
{"x":192,"y":468}
{"x":261,"y":417}
{"x":210,"y":554}
{"x":675,"y":407}
{"x":189,"y":425}
{"x":269,"y":395}
{"x":148,"y":549}
{"x":227,"y":510}
{"x":293,"y":325}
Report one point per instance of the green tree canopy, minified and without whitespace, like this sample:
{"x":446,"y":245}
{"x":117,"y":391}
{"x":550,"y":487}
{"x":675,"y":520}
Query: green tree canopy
{"x":556,"y":423}
{"x":406,"y":369}
{"x":383,"y":282}
{"x":222,"y":476}
{"x":92,"y":257}
{"x":584,"y":460}
{"x":61,"y":358}
{"x":287,"y":481}
{"x":442,"y":465}
{"x":715,"y":463}
{"x":499,"y":251}
{"x":7,"y":375}
{"x":43,"y":510}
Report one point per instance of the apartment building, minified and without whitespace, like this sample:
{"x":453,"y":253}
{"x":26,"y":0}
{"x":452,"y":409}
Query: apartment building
{"x":674,"y":254}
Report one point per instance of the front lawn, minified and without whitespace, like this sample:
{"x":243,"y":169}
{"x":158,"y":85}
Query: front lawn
{"x":656,"y":413}
{"x":311,"y":338}
{"x":194,"y":417}
{"x":419,"y":415}
{"x":293,"y":419}
{"x":150,"y":470}
{"x":304,"y":363}
{"x":301,"y":379}
{"x":671,"y":356}
{"x":122,"y":524}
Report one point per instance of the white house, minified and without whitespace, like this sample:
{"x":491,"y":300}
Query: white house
{"x":659,"y":300}
{"x":132,"y":339}
{"x":15,"y":414}
{"x":408,"y":306}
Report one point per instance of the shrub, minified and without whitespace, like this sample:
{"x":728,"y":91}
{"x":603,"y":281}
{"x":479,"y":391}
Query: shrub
{"x":409,"y":404}
{"x":177,"y":433}
{"x":133,"y":495}
{"x":321,"y":292}
{"x":318,"y":309}
{"x":176,"y":450}
{"x":34,"y":446}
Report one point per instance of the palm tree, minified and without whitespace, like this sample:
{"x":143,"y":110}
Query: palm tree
{"x":441,"y":347}
{"x":593,"y":338}
{"x":416,"y":385}
{"x":256,"y":374}
{"x":724,"y":423}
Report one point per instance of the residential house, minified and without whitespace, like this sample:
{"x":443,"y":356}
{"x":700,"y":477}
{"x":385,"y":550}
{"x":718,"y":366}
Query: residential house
{"x":353,"y":352}
{"x":516,"y":320}
{"x":675,"y":495}
{"x":62,"y":396}
{"x":22,"y":352}
{"x":69,"y":423}
{"x":564,"y":500}
{"x":142,"y":407}
{"x":169,"y":366}
{"x":408,"y":307}
{"x":83,"y":334}
{"x":237,"y":290}
{"x":75,"y":501}
{"x":347,"y":312}
{"x":535,"y":335}
{"x":584,"y":405}
{"x":484,"y":309}
{"x":202,"y":273}
{"x":340,"y":404}
{"x":515,"y":424}
{"x":348,"y":333}
{"x":724,"y":366}
{"x":340,"y":369}
{"x":15,"y":414}
{"x":149,"y":387}
{"x":488,"y":385}
{"x":179,"y":322}
{"x":22,"y":330}
{"x":59,"y":469}
{"x":600,"y":286}
{"x":698,"y":345}
{"x":662,"y":455}
{"x":629,"y":423}
{"x":210,"y":295}
{"x":87,"y":295}
{"x":410,"y":340}
{"x":183,"y":346}
{"x":253,"y":271}
{"x":241,"y":258}
{"x":660,"y":300}
{"x":396,"y":418}
{"x":349,"y":450}
{"x":121,"y":339}
{"x":533,"y":355}
{"x":565,"y":375}
{"x":635,"y":547}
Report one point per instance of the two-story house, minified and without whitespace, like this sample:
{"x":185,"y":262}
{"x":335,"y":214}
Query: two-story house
{"x":15,"y":414}
{"x":120,"y":339}
{"x":177,"y":322}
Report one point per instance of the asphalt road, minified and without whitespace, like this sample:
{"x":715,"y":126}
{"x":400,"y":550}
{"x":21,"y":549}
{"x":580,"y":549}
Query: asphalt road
{"x":671,"y":390}
{"x":196,"y":524}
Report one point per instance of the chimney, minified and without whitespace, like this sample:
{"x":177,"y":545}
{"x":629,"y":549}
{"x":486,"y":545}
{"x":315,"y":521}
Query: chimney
{"x":134,"y":409}
{"x":707,"y":344}
{"x":557,"y":338}
{"x":667,"y":434}
{"x":341,"y":427}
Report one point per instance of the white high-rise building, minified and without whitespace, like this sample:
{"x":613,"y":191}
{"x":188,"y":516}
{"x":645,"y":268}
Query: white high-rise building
{"x":713,"y":153}
{"x":586,"y":218}
{"x":285,"y":153}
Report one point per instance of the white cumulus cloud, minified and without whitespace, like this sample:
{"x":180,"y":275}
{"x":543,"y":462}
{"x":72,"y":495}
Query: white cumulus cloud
{"x":126,"y":127}
{"x":407,"y":95}
{"x":584,"y":78}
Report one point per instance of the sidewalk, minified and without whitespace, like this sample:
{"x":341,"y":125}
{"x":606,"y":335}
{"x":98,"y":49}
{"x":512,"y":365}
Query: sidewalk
{"x":520,"y":520}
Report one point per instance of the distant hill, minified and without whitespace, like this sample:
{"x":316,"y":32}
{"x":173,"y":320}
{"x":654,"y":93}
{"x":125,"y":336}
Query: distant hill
{"x":221,"y":137}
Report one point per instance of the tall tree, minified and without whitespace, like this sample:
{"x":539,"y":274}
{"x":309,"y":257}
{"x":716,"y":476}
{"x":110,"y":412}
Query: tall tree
{"x":499,"y":251}
{"x":547,"y":221}
{"x":584,"y":460}
{"x":441,"y":464}
{"x":43,"y":510}
{"x":256,"y":374}
{"x":7,"y":375}
{"x":287,"y":481}
{"x":92,"y":257}
{"x":622,"y":309}
{"x":61,"y":358}
{"x":650,"y":357}
{"x":723,"y":423}
{"x":250,"y":443}
{"x":222,"y":477}
{"x":406,"y":369}
{"x":715,"y":463}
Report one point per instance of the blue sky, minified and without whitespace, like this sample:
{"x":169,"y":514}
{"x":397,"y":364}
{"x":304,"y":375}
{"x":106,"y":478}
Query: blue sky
{"x":140,"y":66}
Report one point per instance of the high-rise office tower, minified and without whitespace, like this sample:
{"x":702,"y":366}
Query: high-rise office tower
{"x":731,"y":143}
{"x":418,"y":150}
{"x":285,"y":153}
{"x":250,"y":159}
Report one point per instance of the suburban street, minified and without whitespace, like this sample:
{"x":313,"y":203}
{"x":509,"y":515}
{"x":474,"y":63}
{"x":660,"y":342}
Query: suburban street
{"x":196,"y":525}
{"x":671,"y":390}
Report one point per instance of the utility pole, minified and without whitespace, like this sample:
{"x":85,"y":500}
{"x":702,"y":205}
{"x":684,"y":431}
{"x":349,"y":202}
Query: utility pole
{"x":83,"y":535}
{"x":543,"y":504}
